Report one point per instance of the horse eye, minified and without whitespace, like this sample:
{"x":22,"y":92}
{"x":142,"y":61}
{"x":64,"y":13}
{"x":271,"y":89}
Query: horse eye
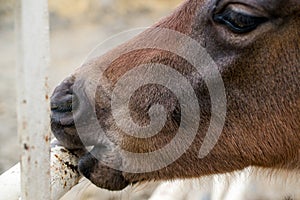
{"x":239,"y":22}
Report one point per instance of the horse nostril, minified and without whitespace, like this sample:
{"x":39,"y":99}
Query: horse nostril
{"x":64,"y":103}
{"x":54,"y":106}
{"x":63,"y":99}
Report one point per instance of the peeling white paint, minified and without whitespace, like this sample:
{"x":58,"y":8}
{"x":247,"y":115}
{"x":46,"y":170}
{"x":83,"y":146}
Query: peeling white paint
{"x":64,"y":176}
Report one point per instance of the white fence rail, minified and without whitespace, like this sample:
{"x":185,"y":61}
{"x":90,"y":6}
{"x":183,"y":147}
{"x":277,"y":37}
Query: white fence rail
{"x":64,"y":176}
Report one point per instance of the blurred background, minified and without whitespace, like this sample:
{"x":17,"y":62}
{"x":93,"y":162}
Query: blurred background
{"x":76,"y":27}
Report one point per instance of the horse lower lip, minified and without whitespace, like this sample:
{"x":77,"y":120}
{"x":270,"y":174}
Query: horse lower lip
{"x":67,"y":135}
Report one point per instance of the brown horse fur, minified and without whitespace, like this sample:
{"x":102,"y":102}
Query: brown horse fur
{"x":261,"y":74}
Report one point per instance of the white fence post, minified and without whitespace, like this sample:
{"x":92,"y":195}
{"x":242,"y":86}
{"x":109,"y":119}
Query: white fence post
{"x":32,"y":24}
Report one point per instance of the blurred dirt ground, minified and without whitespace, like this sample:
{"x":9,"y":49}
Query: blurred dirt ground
{"x":77,"y":26}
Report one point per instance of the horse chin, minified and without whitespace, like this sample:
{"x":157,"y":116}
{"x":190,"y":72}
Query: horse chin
{"x":101,"y":166}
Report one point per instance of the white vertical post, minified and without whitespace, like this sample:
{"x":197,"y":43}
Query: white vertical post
{"x":32,"y":102}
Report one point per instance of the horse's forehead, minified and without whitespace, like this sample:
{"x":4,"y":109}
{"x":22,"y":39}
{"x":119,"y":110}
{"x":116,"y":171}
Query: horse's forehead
{"x":284,"y":7}
{"x":280,"y":7}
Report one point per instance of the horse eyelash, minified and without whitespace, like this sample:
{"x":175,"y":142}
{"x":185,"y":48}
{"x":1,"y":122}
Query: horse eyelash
{"x":235,"y":20}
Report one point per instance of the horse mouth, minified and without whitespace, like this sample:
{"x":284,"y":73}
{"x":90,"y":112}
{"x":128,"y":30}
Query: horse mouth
{"x":72,"y":119}
{"x":75,"y":127}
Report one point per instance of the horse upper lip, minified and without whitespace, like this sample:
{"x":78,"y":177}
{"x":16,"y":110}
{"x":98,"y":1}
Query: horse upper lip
{"x":64,"y":119}
{"x":53,"y":106}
